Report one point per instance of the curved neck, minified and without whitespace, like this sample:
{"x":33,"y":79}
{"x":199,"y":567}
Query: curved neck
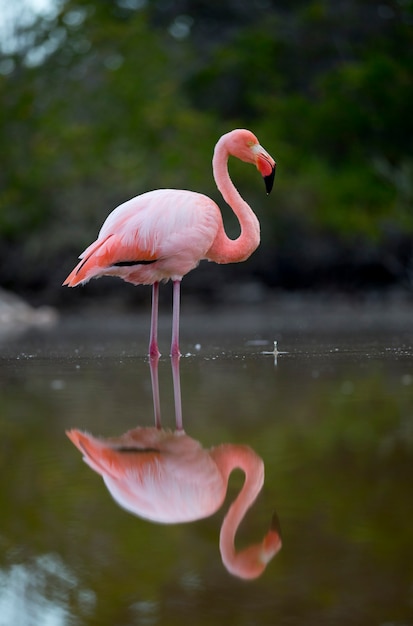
{"x":225,"y":250}
{"x":247,"y":562}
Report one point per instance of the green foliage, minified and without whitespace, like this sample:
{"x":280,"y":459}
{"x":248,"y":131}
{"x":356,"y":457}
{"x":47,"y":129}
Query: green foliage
{"x":106,"y":100}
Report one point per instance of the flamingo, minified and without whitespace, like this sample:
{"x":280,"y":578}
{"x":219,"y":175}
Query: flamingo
{"x":163,"y":234}
{"x":168,"y":477}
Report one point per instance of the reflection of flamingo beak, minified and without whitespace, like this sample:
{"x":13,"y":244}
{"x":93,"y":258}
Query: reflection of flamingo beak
{"x":272,"y":543}
{"x":266,"y":166}
{"x":275,"y":523}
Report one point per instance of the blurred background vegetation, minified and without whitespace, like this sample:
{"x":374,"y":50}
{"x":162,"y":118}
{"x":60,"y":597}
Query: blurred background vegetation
{"x":103,"y":100}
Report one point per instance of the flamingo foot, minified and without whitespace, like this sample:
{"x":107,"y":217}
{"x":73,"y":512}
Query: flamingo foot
{"x":153,"y":350}
{"x":175,"y":351}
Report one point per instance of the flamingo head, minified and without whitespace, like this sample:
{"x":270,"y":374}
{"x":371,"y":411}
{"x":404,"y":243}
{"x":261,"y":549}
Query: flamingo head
{"x":244,"y":145}
{"x":252,"y":561}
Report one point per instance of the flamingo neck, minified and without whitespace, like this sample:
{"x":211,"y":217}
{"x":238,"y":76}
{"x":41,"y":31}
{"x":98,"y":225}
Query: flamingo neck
{"x":224,"y":249}
{"x":250,"y":562}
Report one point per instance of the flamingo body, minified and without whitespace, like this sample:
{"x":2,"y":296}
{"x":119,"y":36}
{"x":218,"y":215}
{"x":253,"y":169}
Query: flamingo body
{"x":158,"y":475}
{"x":164,"y":234}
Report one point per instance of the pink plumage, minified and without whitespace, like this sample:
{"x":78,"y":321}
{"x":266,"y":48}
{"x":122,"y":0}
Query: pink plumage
{"x":165,"y":232}
{"x":162,"y":235}
{"x":168,"y":477}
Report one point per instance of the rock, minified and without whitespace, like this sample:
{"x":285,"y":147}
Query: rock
{"x":16,"y":315}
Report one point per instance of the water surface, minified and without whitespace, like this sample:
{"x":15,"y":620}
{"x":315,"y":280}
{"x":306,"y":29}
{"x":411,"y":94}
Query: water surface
{"x":331,"y":417}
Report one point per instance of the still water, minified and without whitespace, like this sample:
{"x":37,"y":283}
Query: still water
{"x":330,"y":417}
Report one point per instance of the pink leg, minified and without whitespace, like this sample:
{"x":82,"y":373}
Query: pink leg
{"x":153,"y":340}
{"x":175,"y":318}
{"x":153,"y":363}
{"x":177,"y":391}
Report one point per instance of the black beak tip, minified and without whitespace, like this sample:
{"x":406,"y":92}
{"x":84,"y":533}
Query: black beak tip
{"x":269,"y":181}
{"x":275,"y":524}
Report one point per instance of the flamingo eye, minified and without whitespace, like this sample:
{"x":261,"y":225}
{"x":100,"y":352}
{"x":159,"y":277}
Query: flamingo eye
{"x":250,"y":143}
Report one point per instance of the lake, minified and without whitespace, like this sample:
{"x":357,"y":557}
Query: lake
{"x":330,"y":416}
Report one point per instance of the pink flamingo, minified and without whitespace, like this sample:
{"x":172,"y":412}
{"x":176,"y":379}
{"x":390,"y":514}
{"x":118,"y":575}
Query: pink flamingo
{"x":168,"y":477}
{"x":162,"y":235}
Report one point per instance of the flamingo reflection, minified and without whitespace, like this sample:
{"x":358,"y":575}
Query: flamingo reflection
{"x":168,"y":477}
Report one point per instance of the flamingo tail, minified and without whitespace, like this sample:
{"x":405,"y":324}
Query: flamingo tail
{"x":108,"y":458}
{"x":91,"y":263}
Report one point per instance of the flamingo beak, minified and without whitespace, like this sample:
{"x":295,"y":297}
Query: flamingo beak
{"x":266,"y":166}
{"x":269,"y":180}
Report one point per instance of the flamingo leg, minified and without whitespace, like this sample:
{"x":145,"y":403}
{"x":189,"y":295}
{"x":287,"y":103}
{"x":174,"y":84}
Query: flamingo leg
{"x":177,"y":391}
{"x":153,"y":363}
{"x":153,"y":340}
{"x":175,"y":318}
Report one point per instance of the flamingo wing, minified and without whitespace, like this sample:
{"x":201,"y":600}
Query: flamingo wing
{"x":158,"y":235}
{"x":155,"y":474}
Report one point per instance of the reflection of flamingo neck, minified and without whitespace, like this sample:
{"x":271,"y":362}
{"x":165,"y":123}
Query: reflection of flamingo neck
{"x":250,"y":562}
